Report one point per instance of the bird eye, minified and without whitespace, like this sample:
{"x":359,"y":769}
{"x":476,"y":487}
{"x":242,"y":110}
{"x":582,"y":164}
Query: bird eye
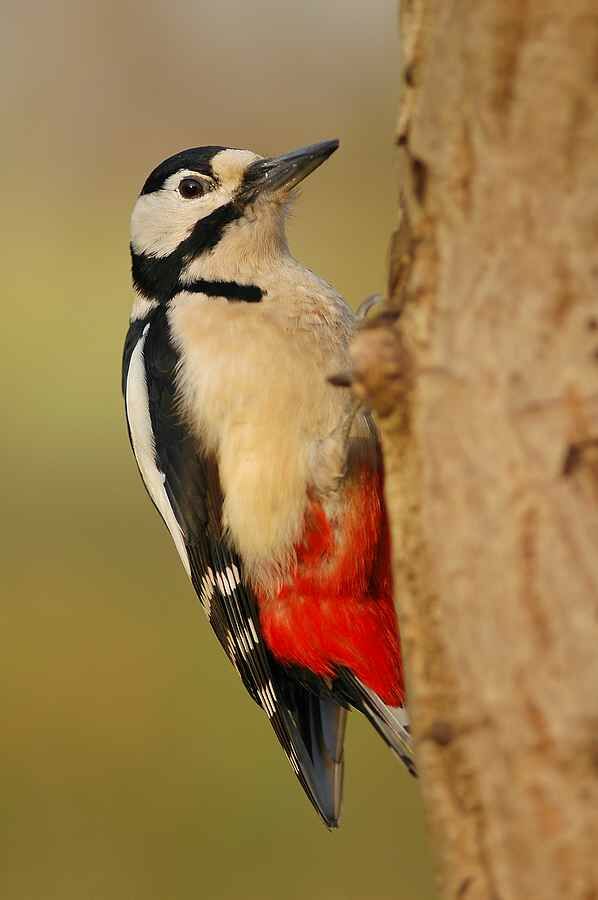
{"x":190,"y":188}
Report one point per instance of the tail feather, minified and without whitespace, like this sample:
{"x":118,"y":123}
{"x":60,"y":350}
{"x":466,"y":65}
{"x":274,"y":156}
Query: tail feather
{"x":391,"y":722}
{"x":320,"y":726}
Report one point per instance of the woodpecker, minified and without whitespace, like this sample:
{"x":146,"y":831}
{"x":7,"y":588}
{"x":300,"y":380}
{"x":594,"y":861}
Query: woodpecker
{"x":268,"y":478}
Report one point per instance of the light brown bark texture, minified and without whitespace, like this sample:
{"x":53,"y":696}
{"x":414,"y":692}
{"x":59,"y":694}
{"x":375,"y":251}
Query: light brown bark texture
{"x":486,"y":392}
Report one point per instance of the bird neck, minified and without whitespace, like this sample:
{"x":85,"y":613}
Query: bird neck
{"x":232,"y":266}
{"x":249,"y":247}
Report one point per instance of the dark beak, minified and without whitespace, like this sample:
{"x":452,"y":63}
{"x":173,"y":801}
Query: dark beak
{"x":266,"y":176}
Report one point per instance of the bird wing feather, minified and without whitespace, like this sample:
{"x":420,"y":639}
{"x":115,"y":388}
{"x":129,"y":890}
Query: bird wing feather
{"x":184,"y":484}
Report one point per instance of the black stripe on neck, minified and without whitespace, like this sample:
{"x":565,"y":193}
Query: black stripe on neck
{"x":157,"y":277}
{"x":231,"y":290}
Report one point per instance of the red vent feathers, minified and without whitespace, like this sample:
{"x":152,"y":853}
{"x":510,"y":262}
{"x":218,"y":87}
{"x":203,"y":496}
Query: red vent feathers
{"x":338,"y":608}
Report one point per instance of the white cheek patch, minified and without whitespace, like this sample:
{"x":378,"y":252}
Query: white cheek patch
{"x":142,"y":439}
{"x":163,"y":219}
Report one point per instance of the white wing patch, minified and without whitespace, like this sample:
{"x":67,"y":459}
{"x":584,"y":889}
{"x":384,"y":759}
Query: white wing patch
{"x":228,"y":580}
{"x":206,"y":593}
{"x":142,"y":439}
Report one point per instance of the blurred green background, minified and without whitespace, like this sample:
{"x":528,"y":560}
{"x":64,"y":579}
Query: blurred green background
{"x":133,"y":764}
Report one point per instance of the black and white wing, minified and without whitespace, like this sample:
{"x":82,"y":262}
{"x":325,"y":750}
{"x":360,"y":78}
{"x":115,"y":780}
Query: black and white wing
{"x":184,"y":485}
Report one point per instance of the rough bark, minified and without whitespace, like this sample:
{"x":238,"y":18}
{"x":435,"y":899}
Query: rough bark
{"x":483,"y":372}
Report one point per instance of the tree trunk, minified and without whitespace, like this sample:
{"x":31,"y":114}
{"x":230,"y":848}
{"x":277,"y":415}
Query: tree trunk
{"x":486,"y":392}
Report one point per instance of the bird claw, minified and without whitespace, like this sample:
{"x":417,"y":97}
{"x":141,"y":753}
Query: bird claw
{"x":345,"y":378}
{"x":341,"y":379}
{"x":367,"y":304}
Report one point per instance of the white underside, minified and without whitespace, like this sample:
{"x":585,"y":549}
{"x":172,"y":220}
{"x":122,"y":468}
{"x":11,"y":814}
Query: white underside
{"x":252,"y":381}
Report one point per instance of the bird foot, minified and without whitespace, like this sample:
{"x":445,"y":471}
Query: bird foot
{"x":344,"y":379}
{"x":367,"y":304}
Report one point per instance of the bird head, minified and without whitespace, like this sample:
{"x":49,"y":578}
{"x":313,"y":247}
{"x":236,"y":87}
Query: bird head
{"x":214,"y":213}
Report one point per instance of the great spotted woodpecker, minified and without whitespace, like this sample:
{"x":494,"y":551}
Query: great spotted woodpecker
{"x":267,"y":477}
